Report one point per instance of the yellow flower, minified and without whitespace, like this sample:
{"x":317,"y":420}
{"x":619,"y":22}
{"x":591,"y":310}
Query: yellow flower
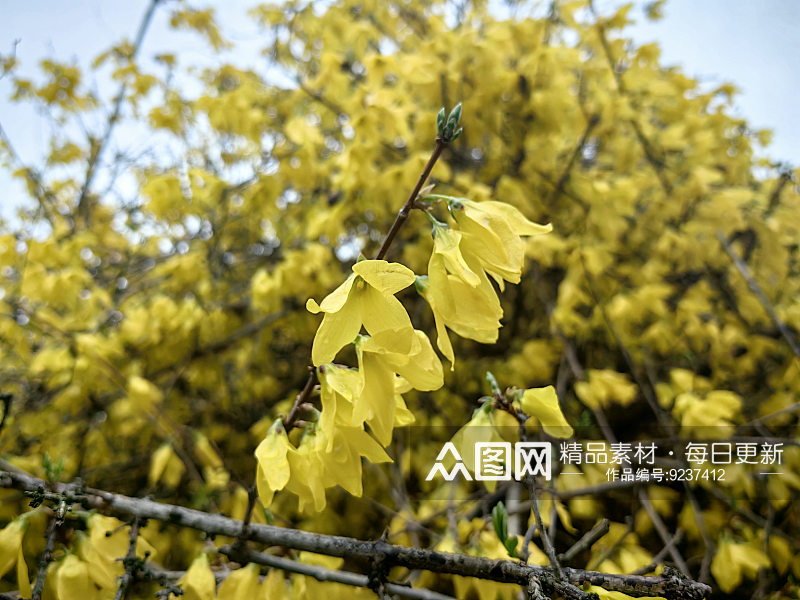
{"x":733,"y":561}
{"x":365,"y":298}
{"x":378,"y":365}
{"x":308,"y":469}
{"x":198,"y":582}
{"x":273,"y":469}
{"x":339,"y":388}
{"x":241,"y":583}
{"x":491,"y":233}
{"x":342,"y":462}
{"x":480,"y":428}
{"x":340,"y":391}
{"x":10,"y":543}
{"x":72,"y":580}
{"x":459,"y":293}
{"x":542,"y":404}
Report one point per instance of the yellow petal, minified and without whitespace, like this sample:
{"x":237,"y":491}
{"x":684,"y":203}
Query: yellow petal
{"x":10,"y":542}
{"x":445,"y":243}
{"x":334,"y":301}
{"x":23,"y":581}
{"x":516,"y":220}
{"x":274,"y":586}
{"x":241,"y":584}
{"x":385,"y":277}
{"x":375,"y":403}
{"x":423,"y":370}
{"x":336,"y":330}
{"x":72,"y":580}
{"x":542,"y":403}
{"x":383,"y":315}
{"x":271,"y":455}
{"x":198,"y":581}
{"x":158,"y":462}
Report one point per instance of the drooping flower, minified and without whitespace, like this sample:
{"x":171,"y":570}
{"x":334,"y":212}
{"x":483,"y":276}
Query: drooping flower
{"x":10,"y":543}
{"x":459,"y":293}
{"x":342,"y":462}
{"x":241,"y":583}
{"x":307,"y":466}
{"x":491,"y":234}
{"x":376,"y":403}
{"x":542,"y":405}
{"x":365,"y":298}
{"x":273,"y":471}
{"x":72,"y":580}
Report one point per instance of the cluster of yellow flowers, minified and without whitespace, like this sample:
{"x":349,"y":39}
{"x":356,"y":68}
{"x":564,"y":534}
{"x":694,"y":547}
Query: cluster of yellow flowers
{"x":483,"y":240}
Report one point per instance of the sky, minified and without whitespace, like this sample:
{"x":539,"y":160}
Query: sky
{"x":753,"y":44}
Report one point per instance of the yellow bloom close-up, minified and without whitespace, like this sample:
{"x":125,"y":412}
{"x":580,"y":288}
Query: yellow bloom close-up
{"x":365,"y":298}
{"x":272,"y":473}
{"x":375,"y":403}
{"x":491,"y":233}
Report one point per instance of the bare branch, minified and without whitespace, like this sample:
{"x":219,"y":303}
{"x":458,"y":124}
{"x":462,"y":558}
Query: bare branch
{"x":745,"y":272}
{"x":503,"y":571}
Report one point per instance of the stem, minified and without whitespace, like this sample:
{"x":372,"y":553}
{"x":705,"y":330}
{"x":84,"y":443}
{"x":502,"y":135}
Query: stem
{"x":324,"y":574}
{"x":301,"y":399}
{"x":130,"y":569}
{"x":412,"y":198}
{"x":41,"y":574}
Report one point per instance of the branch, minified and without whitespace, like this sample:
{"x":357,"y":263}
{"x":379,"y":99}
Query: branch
{"x":130,"y":561}
{"x":589,"y":538}
{"x":47,"y":556}
{"x":747,"y":275}
{"x":412,"y":198}
{"x":242,"y":555}
{"x":502,"y":571}
{"x":94,"y":158}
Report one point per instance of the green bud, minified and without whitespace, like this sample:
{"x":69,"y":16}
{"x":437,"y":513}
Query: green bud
{"x":440,"y":122}
{"x":455,"y":115}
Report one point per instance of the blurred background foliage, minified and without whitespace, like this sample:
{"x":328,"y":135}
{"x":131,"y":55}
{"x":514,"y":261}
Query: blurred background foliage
{"x":151,"y":332}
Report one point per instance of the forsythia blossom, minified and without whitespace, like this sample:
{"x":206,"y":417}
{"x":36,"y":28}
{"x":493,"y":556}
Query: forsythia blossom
{"x":365,"y":298}
{"x":491,"y":234}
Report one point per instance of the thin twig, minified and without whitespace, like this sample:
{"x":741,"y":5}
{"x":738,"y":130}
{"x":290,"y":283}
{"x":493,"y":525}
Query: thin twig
{"x":662,"y":531}
{"x":97,"y":150}
{"x":661,"y":554}
{"x":412,"y":198}
{"x":546,"y":542}
{"x":747,"y":275}
{"x":589,"y":538}
{"x":47,"y":556}
{"x":243,"y":555}
{"x":130,"y":563}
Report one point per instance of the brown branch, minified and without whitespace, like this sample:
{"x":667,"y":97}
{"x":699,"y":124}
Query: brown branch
{"x":243,"y":555}
{"x":589,"y":538}
{"x":503,"y":571}
{"x":131,"y":568}
{"x":658,"y":523}
{"x":412,"y":198}
{"x":747,"y":275}
{"x":47,"y":556}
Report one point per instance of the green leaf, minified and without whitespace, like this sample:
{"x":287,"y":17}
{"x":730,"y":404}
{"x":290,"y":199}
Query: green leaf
{"x":511,"y":545}
{"x":500,"y":521}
